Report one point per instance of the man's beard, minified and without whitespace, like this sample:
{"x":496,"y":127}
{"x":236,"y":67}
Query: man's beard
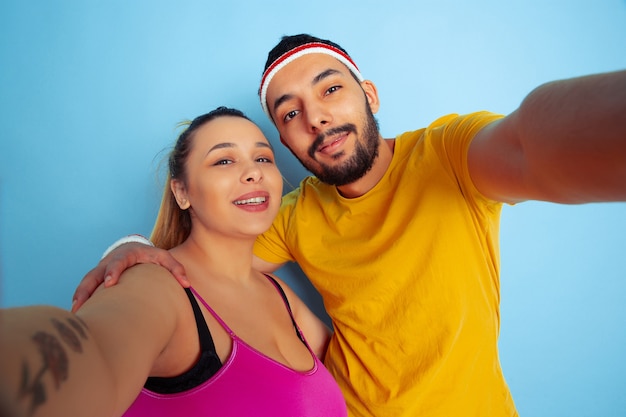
{"x":358,"y":164}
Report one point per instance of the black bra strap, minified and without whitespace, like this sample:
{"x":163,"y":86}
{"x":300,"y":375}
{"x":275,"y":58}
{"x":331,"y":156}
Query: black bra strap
{"x":284,"y":296}
{"x":206,"y":341}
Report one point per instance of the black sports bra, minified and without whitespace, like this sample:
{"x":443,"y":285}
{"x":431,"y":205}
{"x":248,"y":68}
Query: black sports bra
{"x":209,"y":362}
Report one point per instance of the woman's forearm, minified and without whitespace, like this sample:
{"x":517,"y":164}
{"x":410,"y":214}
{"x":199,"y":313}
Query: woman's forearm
{"x":49,"y":364}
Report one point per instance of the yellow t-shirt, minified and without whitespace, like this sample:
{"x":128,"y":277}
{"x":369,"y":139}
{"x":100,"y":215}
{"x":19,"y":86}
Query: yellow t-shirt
{"x":409,"y":274}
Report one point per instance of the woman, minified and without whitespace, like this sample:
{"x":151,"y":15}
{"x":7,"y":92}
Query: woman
{"x":228,"y":345}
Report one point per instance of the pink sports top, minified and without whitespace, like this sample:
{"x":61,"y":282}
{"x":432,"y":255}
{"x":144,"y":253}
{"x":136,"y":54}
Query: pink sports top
{"x":248,"y":384}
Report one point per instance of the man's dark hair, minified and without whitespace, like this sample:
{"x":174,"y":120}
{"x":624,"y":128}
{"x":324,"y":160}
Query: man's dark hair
{"x":287,"y":43}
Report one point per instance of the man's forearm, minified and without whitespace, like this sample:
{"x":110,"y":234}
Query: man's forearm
{"x":573,"y":133}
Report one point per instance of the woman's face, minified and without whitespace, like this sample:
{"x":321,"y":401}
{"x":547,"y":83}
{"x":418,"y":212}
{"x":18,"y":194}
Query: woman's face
{"x":233,"y":184}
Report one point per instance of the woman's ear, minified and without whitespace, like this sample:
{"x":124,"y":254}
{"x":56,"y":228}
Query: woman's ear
{"x":180,"y":194}
{"x":371,"y":93}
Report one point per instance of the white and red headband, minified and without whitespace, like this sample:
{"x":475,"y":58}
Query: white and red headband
{"x":295,"y":53}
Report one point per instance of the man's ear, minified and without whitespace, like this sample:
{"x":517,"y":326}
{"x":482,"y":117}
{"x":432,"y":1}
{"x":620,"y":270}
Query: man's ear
{"x":180,"y":194}
{"x":371,"y":93}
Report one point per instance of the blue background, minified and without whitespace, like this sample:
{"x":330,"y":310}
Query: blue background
{"x":91,"y":92}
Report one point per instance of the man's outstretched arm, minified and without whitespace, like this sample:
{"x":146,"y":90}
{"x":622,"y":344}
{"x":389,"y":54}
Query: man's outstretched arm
{"x":566,"y":143}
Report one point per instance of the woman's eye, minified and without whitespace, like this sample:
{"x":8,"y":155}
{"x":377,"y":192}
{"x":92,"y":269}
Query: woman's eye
{"x":224,"y":162}
{"x":265,"y":159}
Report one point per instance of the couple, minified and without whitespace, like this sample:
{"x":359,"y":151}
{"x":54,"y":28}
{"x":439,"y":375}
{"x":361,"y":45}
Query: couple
{"x":400,"y":236}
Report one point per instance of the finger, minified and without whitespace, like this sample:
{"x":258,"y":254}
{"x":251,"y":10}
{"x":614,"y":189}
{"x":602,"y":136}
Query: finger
{"x":78,"y":300}
{"x":167,"y":261}
{"x":86,"y":287}
{"x":179,"y":273}
{"x":114,"y":269}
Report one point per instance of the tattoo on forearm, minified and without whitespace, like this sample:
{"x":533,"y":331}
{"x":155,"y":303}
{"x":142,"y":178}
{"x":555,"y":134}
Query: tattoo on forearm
{"x":78,"y":325}
{"x":55,"y":359}
{"x":68,"y":335}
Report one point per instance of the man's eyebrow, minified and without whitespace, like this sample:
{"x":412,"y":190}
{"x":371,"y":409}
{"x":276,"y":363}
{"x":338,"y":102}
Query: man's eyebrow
{"x":280,"y":100}
{"x":317,"y":79}
{"x":324,"y":74}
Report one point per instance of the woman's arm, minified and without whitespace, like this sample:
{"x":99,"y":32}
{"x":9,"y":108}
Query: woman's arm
{"x":46,"y":354}
{"x":55,"y":363}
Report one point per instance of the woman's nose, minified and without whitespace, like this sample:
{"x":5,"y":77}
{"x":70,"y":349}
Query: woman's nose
{"x":252,"y":174}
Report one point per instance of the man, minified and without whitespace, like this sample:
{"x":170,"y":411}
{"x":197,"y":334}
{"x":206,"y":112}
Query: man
{"x":400,"y":236}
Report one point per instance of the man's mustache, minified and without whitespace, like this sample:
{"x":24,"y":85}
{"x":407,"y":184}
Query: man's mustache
{"x":319,"y":139}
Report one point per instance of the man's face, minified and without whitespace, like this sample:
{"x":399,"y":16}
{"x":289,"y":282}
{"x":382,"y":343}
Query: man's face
{"x":324,"y":117}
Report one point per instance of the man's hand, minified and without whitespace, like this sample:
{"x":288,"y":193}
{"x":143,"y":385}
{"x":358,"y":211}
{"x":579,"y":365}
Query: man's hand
{"x":111,"y":267}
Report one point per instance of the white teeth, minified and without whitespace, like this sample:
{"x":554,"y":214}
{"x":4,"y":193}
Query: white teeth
{"x":255,"y":200}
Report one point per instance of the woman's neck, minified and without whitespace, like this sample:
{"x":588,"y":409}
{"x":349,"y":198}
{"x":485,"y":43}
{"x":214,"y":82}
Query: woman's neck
{"x":216,"y":256}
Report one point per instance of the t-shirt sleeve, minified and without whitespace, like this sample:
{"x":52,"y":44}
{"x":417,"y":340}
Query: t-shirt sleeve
{"x":451,"y":137}
{"x":272,"y":246}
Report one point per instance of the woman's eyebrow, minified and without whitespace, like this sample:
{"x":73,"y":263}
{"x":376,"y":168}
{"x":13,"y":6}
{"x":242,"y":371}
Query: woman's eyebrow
{"x":224,"y":145}
{"x":221,"y":145}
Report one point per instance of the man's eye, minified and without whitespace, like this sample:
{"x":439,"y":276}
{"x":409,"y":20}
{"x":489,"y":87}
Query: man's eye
{"x":265,"y":159}
{"x":224,"y":162}
{"x":290,"y":115}
{"x":333,"y":89}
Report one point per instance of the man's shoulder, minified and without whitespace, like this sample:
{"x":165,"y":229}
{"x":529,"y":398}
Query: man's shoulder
{"x":450,"y":123}
{"x":459,"y":118}
{"x":309,"y":186}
